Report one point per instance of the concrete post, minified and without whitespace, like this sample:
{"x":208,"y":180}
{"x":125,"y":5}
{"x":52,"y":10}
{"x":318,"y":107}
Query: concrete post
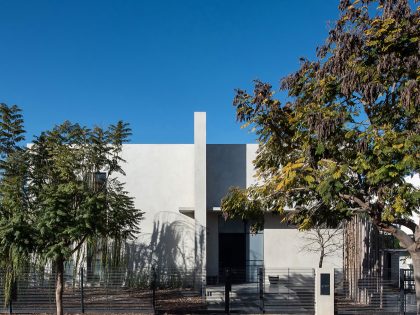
{"x":324,"y":291}
{"x":200,"y":213}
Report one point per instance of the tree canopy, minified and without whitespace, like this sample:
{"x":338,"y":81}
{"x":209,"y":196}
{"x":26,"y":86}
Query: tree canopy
{"x":349,"y":133}
{"x":12,"y":167}
{"x":61,"y":191}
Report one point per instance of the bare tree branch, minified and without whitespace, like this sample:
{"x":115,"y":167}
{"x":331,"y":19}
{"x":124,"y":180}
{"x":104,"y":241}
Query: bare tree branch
{"x":323,"y":241}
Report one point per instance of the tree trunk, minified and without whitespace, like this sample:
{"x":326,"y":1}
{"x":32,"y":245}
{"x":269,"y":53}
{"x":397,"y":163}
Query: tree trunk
{"x":321,"y":258}
{"x":59,"y":285}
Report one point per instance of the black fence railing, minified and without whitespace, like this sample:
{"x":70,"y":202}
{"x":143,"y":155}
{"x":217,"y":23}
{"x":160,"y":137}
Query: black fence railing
{"x":407,"y":280}
{"x":266,"y":290}
{"x":385,"y":291}
{"x":143,"y":291}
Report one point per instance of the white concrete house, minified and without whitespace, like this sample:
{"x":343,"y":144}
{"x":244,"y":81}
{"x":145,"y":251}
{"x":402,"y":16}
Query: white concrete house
{"x":180,"y":186}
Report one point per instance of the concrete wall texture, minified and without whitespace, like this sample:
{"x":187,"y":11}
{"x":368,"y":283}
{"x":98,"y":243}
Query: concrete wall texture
{"x":165,"y":179}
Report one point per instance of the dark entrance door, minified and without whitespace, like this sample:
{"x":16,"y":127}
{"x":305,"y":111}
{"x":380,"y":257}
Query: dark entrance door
{"x":232,"y":254}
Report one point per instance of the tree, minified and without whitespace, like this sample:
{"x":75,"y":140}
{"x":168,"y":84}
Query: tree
{"x":322,"y":241}
{"x":11,"y":168}
{"x":69,"y":194}
{"x":11,"y":129}
{"x":349,"y":133}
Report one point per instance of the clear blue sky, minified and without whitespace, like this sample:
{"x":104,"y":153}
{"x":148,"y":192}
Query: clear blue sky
{"x":151,"y":63}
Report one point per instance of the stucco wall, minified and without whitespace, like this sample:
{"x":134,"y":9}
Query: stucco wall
{"x":251,"y":154}
{"x":161,"y":178}
{"x":226,"y":167}
{"x":283,"y":248}
{"x":283,"y":244}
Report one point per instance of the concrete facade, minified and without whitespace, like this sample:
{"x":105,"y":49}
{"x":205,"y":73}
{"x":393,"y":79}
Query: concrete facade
{"x":180,"y":187}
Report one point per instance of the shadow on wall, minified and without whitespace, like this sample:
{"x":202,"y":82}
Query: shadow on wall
{"x":172,"y":245}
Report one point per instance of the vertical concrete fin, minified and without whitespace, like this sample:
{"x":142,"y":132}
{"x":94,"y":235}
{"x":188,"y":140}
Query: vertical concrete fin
{"x":200,"y":206}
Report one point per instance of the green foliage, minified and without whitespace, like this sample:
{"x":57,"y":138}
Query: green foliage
{"x":243,"y":206}
{"x":12,"y":206}
{"x":349,"y":134}
{"x":74,"y":192}
{"x":62,"y":191}
{"x":11,"y":129}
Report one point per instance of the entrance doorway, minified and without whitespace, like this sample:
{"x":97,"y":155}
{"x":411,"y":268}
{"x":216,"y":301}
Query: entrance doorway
{"x":232,"y":254}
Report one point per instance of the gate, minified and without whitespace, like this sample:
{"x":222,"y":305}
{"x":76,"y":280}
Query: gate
{"x":244,"y":295}
{"x":289,"y":291}
{"x":271,"y":291}
{"x":237,"y":290}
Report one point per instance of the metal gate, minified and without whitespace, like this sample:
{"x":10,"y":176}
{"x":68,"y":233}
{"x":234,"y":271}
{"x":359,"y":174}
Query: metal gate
{"x":237,"y":290}
{"x":289,"y":291}
{"x":271,"y":291}
{"x":244,"y":295}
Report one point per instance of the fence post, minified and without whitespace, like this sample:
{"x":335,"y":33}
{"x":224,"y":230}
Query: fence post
{"x":13,"y":297}
{"x":402,"y":293}
{"x":203,"y":288}
{"x":228,"y":288}
{"x":82,"y":292}
{"x":261,"y":288}
{"x":154,"y":285}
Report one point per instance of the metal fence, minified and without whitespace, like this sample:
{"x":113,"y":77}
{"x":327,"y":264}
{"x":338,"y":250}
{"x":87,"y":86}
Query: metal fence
{"x":275,"y":291}
{"x":407,"y":286}
{"x":177,"y":291}
{"x":145,"y":291}
{"x":385,"y":293}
